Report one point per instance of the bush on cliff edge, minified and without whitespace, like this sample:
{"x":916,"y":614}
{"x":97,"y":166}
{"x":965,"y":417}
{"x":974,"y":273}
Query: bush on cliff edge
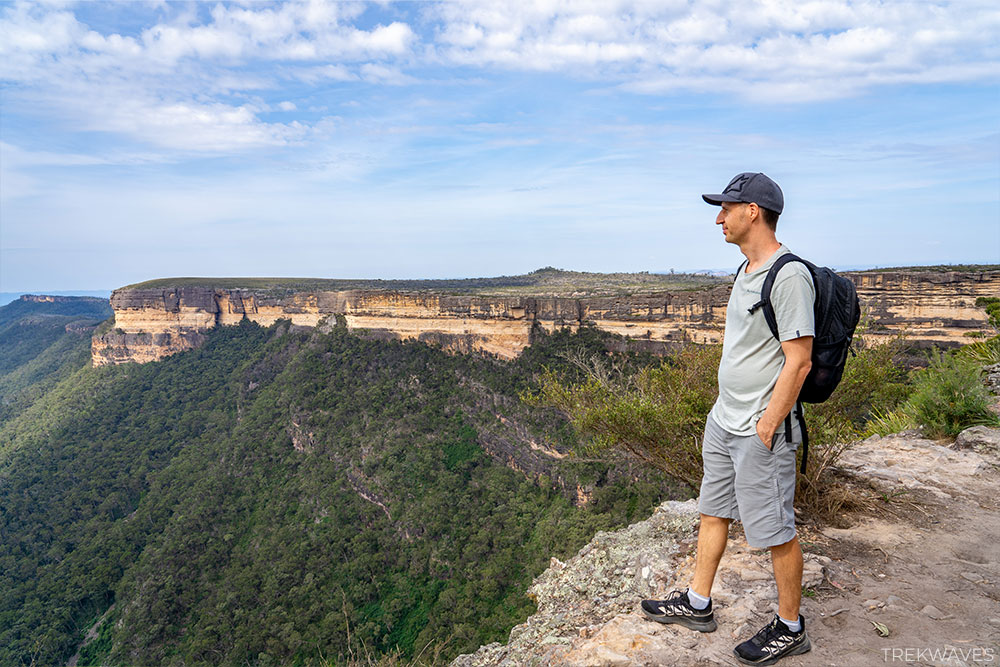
{"x":656,"y":414}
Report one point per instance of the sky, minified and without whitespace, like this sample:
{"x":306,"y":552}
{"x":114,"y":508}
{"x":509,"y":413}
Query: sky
{"x":143,"y":140}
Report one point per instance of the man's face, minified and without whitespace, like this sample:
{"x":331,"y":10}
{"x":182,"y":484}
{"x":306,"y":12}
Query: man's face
{"x":735,"y":221}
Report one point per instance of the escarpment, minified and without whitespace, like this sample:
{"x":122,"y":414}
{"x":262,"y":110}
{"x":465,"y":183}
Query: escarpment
{"x":931,"y":307}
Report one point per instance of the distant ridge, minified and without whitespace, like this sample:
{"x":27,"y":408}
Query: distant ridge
{"x":7,"y":297}
{"x":36,"y":305}
{"x":546,"y":281}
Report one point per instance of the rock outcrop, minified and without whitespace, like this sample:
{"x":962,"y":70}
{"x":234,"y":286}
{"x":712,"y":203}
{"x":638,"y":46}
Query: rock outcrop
{"x":587,"y":607}
{"x":925,"y":570}
{"x":931,"y":307}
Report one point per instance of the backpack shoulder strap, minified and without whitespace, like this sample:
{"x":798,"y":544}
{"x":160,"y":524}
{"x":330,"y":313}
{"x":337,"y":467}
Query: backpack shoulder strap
{"x":765,"y":291}
{"x":739,"y":271}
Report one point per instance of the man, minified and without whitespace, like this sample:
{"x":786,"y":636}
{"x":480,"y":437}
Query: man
{"x":750,"y":439}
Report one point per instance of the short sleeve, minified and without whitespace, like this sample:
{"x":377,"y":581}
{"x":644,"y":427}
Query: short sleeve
{"x":792,"y":297}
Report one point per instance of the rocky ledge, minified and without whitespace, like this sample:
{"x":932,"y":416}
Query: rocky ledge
{"x":922,"y":571}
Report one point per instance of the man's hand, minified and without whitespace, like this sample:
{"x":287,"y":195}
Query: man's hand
{"x":798,"y":361}
{"x":765,"y":433}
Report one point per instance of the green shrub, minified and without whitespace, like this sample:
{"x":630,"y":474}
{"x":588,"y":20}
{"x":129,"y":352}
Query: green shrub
{"x":949,"y":396}
{"x":984,"y":352}
{"x":992,"y":306}
{"x":657,"y":414}
{"x":874,"y":383}
{"x":889,"y":422}
{"x":95,"y":651}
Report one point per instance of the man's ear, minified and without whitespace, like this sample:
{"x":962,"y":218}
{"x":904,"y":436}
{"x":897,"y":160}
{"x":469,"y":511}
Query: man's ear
{"x":753,"y":211}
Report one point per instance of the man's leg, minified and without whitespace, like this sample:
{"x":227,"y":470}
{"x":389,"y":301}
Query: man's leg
{"x":680,"y":607}
{"x":717,"y":498}
{"x":786,"y":634}
{"x":712,"y":536}
{"x":787,"y":561}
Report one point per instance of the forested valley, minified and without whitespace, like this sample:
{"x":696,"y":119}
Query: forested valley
{"x":284,"y":495}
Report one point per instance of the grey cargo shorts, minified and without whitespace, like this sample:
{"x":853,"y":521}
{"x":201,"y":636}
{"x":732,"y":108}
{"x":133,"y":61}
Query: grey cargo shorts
{"x":746,"y":481}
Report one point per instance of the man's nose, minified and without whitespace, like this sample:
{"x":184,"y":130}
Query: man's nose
{"x":719,"y":219}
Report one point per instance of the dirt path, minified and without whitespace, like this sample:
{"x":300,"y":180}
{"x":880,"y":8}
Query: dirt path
{"x":928,"y":568}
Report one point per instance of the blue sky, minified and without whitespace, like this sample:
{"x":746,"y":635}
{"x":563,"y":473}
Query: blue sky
{"x":461,"y":139}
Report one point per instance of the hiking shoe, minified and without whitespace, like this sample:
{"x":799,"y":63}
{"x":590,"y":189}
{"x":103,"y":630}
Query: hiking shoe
{"x":774,"y":642}
{"x":677,"y":609}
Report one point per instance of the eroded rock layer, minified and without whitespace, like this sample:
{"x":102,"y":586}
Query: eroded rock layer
{"x":930,"y":307}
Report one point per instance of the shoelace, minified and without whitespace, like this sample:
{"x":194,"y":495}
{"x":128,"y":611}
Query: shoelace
{"x":675,"y":597}
{"x":767,"y":633}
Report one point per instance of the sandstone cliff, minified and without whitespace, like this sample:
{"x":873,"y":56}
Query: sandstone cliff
{"x":151,"y":323}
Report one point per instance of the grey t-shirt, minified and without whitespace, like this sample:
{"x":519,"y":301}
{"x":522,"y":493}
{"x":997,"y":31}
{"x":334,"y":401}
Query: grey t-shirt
{"x":751,"y":357}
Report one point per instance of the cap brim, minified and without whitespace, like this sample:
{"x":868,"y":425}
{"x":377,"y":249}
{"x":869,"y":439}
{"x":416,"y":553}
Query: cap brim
{"x":716,"y":200}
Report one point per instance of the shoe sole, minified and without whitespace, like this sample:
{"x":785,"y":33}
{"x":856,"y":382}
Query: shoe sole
{"x":700,"y":626}
{"x":804,"y":647}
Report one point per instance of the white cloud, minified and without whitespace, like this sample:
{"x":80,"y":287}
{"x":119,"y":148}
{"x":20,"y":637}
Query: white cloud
{"x":199,"y":127}
{"x":374,"y":73}
{"x":185,"y":80}
{"x":173,"y":85}
{"x":800,"y":51}
{"x":314,"y":75}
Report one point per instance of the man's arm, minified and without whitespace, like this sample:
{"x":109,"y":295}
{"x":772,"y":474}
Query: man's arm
{"x":798,"y":361}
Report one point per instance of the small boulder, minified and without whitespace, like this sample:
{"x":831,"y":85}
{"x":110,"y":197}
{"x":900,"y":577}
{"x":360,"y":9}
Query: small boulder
{"x":982,"y":439}
{"x":933,"y":612}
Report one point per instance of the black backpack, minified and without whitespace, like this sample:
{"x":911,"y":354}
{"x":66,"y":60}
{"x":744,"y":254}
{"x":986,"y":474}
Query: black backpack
{"x":836,"y":312}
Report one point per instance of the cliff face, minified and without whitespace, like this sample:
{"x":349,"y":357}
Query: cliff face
{"x":931,"y":307}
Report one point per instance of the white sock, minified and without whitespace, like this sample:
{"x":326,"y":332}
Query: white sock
{"x":698,"y":601}
{"x":794,"y":626}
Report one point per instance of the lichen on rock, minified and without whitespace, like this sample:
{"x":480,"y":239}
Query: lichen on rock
{"x":604,"y":580}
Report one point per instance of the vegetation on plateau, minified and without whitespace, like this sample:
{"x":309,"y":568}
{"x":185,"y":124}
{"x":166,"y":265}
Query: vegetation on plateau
{"x":940,"y":268}
{"x":547,"y":281}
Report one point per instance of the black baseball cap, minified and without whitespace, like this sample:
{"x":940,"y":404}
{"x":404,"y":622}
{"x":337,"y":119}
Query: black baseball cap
{"x":750,"y":187}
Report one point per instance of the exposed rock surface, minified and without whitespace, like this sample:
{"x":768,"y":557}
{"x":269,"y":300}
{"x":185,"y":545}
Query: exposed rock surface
{"x":981,"y":439}
{"x":51,"y":298}
{"x":932,"y":307}
{"x":993,"y":377}
{"x":925,"y":568}
{"x":117,"y":347}
{"x":910,"y":462}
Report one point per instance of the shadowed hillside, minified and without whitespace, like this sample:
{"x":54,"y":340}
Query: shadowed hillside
{"x":283,"y":494}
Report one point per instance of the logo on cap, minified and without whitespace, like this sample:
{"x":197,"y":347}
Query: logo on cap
{"x":736,"y":185}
